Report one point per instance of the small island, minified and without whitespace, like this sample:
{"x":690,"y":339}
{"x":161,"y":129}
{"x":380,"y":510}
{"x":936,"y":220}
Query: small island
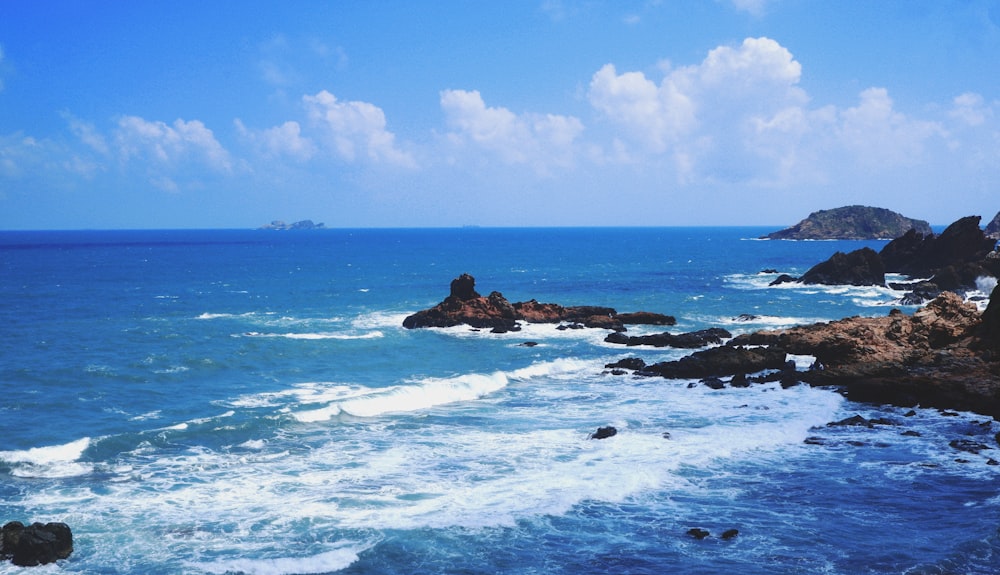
{"x":301,"y":225}
{"x":851,"y":223}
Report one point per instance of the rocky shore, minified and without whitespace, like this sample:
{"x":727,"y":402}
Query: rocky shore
{"x":954,"y":261}
{"x":852,"y":223}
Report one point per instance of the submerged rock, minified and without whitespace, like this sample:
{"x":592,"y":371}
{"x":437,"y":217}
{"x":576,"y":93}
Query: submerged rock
{"x":604,"y":432}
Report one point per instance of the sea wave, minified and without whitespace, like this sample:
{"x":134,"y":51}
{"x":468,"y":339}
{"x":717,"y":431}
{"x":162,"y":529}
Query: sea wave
{"x":341,"y":557}
{"x":48,"y":461}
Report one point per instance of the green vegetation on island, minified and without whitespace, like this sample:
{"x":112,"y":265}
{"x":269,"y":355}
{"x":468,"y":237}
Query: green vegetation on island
{"x":852,"y":223}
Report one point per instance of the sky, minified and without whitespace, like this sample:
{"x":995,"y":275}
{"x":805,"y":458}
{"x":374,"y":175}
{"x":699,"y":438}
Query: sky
{"x":231,"y":114}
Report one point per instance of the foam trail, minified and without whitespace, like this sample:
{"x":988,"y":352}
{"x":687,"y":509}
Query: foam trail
{"x":327,"y":562}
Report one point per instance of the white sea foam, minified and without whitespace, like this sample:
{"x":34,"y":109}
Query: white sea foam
{"x":341,"y":557}
{"x":317,"y":336}
{"x":49,"y":461}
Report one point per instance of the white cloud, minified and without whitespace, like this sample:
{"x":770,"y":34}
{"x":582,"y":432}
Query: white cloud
{"x":970,"y":110}
{"x":285,"y":140}
{"x":701,"y":116}
{"x":879,"y":135}
{"x":170,"y":144}
{"x":541,"y":140}
{"x":355,"y":129}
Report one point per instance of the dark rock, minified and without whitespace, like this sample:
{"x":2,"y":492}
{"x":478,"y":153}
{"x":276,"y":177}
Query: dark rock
{"x":713,"y":383}
{"x":464,"y":288}
{"x":911,"y":433}
{"x":968,"y":445}
{"x":604,"y":432}
{"x":769,"y":271}
{"x":698,"y":533}
{"x":739,"y":380}
{"x":853,"y":421}
{"x":719,"y":362}
{"x":633,"y":363}
{"x":646,"y":318}
{"x":851,"y":223}
{"x":746,"y":317}
{"x":36,"y":544}
{"x":528,"y":344}
{"x":860,"y":267}
{"x":783,"y":279}
{"x":688,"y":340}
{"x":813,"y":440}
{"x":730,"y":534}
{"x":989,"y":328}
{"x":923,"y":255}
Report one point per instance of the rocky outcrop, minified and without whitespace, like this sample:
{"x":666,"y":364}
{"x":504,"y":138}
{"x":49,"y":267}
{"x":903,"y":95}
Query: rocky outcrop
{"x":688,"y":340}
{"x":35,"y":544}
{"x":924,"y":255}
{"x":861,"y":267}
{"x":941,"y":356}
{"x":718,"y":362}
{"x":851,"y":223}
{"x":464,"y":306}
{"x":992,"y":229}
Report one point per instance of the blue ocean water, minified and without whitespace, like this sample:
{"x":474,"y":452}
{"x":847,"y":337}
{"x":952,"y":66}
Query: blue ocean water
{"x":248,"y":402}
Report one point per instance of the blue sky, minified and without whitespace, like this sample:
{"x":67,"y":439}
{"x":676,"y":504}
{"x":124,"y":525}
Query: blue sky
{"x":518,"y":113}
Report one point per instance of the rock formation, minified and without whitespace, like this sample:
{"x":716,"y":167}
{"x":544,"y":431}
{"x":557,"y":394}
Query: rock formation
{"x":464,"y":306}
{"x":36,"y":544}
{"x":860,"y":268}
{"x":992,"y":229}
{"x":952,"y":261}
{"x":944,"y":355}
{"x":692,"y":339}
{"x":851,"y":223}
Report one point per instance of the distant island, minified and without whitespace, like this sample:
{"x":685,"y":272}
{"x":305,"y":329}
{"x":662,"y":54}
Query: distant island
{"x":302,"y":225}
{"x":852,"y":223}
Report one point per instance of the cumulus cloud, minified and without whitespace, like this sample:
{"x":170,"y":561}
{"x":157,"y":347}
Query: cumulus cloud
{"x":355,"y":129}
{"x":542,"y":140}
{"x":702,"y":116}
{"x":880,"y":135}
{"x":285,"y":140}
{"x":170,"y":144}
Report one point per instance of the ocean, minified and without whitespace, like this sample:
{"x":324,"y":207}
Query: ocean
{"x":248,"y":402}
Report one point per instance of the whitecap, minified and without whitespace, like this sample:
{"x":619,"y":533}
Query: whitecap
{"x":48,"y":461}
{"x":336,"y":559}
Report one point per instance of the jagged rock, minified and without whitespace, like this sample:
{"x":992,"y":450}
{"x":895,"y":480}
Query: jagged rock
{"x":860,"y":268}
{"x":923,"y":255}
{"x":851,"y":223}
{"x":36,"y":544}
{"x":604,"y":432}
{"x":688,"y":340}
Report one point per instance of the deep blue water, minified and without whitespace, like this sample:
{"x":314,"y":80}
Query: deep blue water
{"x":248,"y":402}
